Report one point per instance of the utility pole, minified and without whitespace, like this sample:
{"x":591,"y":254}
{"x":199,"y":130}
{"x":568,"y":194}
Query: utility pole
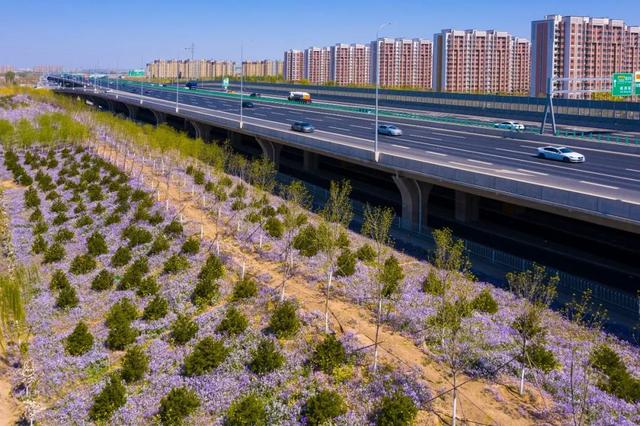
{"x":192,"y":49}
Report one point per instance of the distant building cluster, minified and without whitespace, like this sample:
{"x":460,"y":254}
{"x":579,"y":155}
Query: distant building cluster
{"x":264,"y":68}
{"x":197,"y":68}
{"x":6,"y":68}
{"x":480,"y":61}
{"x":47,"y":69}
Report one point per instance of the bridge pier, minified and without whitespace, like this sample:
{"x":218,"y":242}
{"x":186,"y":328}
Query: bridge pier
{"x":270,"y":150}
{"x":133,"y":111}
{"x":203,"y":131}
{"x":466,"y":207}
{"x":415,"y":200}
{"x":160,"y":117}
{"x":310,"y":161}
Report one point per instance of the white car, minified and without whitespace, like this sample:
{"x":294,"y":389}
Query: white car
{"x":389,"y":130}
{"x":509,"y":125}
{"x":560,"y":153}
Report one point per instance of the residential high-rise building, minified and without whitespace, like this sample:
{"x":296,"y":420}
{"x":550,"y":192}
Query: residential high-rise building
{"x":47,"y":69}
{"x":196,"y":69}
{"x":317,"y":64}
{"x":403,"y":62}
{"x":350,"y":64}
{"x":576,"y":47}
{"x":6,"y":68}
{"x":264,"y":68}
{"x":293,"y":69}
{"x":480,"y":61}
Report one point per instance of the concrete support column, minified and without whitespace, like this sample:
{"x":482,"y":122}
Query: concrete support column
{"x":160,"y":117}
{"x":415,"y":200}
{"x":310,"y":161}
{"x":133,"y":111}
{"x":203,"y":131}
{"x":466,"y":207}
{"x":111,"y":106}
{"x":270,"y":150}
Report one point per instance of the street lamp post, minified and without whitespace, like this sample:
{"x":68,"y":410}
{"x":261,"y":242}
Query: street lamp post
{"x":241,"y":85}
{"x":141,"y":81}
{"x":177,"y":78}
{"x":376,"y":152}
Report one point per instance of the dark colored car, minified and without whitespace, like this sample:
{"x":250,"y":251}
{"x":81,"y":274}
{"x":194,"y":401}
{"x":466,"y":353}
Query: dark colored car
{"x":302,"y":126}
{"x":255,"y":95}
{"x":247,"y":104}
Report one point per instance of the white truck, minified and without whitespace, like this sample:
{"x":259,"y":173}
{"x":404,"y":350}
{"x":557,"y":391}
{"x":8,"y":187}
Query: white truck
{"x":303,"y":97}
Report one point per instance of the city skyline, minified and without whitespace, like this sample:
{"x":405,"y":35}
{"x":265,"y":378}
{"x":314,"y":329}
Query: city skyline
{"x":130,"y":42}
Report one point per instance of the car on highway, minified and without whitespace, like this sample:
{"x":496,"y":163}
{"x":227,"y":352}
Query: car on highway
{"x":389,"y":130}
{"x":302,"y":126}
{"x":247,"y":104}
{"x":560,"y":153}
{"x":509,"y":125}
{"x":255,"y":95}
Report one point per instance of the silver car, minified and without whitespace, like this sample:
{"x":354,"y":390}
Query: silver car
{"x":560,"y":153}
{"x":509,"y":125}
{"x":389,"y":130}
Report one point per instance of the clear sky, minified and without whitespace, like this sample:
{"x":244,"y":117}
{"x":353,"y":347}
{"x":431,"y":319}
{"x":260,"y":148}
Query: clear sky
{"x":119,"y":33}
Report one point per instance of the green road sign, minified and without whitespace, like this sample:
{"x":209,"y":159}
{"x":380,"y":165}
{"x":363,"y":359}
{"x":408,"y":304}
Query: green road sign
{"x":225,"y":83}
{"x":622,"y":84}
{"x":136,"y":73}
{"x":637,"y":83}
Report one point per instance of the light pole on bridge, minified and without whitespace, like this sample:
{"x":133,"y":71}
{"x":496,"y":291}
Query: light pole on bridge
{"x":376,"y":152}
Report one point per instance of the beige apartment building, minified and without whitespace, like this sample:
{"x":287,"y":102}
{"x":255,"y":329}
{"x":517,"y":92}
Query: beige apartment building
{"x":480,"y":61}
{"x":191,"y":69}
{"x":403,"y":62}
{"x":293,"y":68}
{"x":350,"y":64}
{"x":577,"y":47}
{"x":264,"y":68}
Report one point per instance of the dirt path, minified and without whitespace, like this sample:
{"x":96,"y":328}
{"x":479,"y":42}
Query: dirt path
{"x":9,"y":409}
{"x":480,"y":402}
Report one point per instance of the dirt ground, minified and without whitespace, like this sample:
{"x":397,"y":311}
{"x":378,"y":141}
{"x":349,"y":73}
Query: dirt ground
{"x":479,"y":402}
{"x":9,"y":409}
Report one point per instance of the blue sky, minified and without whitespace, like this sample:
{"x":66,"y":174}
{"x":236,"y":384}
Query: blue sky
{"x":118,"y":33}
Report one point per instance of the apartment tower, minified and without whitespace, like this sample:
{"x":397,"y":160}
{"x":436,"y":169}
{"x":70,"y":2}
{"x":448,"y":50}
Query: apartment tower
{"x":317,"y":64}
{"x":350,"y":64}
{"x":403,"y":62}
{"x":293,"y":68}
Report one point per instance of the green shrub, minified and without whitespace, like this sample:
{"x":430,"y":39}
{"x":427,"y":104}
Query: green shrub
{"x":268,"y":211}
{"x":233,"y":323}
{"x":173,"y":229}
{"x":98,"y":209}
{"x":616,"y":378}
{"x":141,"y":213}
{"x":58,"y":280}
{"x":391,"y":276}
{"x":134,"y":365}
{"x":253,"y":217}
{"x":183,"y":329}
{"x":80,"y":341}
{"x":59,"y":206}
{"x":212,"y":270}
{"x":141,"y":196}
{"x":103,"y":281}
{"x":96,"y":244}
{"x":155,"y":219}
{"x":266,"y":358}
{"x":343,"y":240}
{"x":107,"y":402}
{"x":122,"y":311}
{"x":323,"y":407}
{"x":121,"y":257}
{"x":67,"y":298}
{"x":156,"y":309}
{"x":248,"y":410}
{"x":112,"y":219}
{"x":238,"y":205}
{"x":95,"y":193}
{"x":245,"y":288}
{"x":121,"y":334}
{"x":40,"y":227}
{"x":83,"y":220}
{"x":539,"y":357}
{"x":205,"y":292}
{"x":178,"y":404}
{"x":396,"y":410}
{"x":198,"y":177}
{"x":175,"y":263}
{"x":432,"y":284}
{"x":160,"y":244}
{"x":63,"y":235}
{"x":484,"y":302}
{"x":137,"y":236}
{"x":60,"y":219}
{"x":39,"y":245}
{"x":366,"y":253}
{"x":274,"y":227}
{"x":346,"y":263}
{"x":191,"y":246}
{"x":148,"y":286}
{"x":240,"y":191}
{"x":225,"y":181}
{"x":133,"y":275}
{"x":284,"y":321}
{"x":31,"y":198}
{"x":306,"y":242}
{"x":207,"y":355}
{"x":328,"y":355}
{"x":36,"y":216}
{"x":82,"y":264}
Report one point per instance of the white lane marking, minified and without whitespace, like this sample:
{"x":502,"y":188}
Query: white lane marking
{"x":529,"y":147}
{"x":437,"y":153}
{"x":599,"y":184}
{"x":449,"y":136}
{"x":277,"y":113}
{"x":535,"y":173}
{"x":339,"y":128}
{"x":633,"y":170}
{"x":425,"y":137}
{"x":511,"y":150}
{"x":512,"y":172}
{"x":400,"y":146}
{"x":317,"y":119}
{"x":480,"y":162}
{"x":362,"y":127}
